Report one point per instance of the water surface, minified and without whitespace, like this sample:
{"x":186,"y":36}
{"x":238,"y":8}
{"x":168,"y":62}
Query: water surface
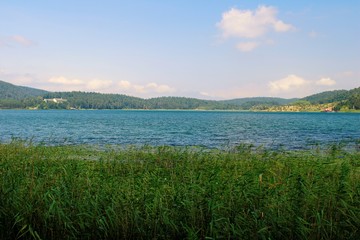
{"x":179,"y":128}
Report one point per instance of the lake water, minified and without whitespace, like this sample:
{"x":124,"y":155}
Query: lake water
{"x":180,"y":128}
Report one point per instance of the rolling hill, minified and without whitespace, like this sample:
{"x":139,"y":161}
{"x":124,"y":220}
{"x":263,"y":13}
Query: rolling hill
{"x":328,"y":97}
{"x":337,"y":100}
{"x":12,"y":96}
{"x":10,"y":91}
{"x":259,"y":102}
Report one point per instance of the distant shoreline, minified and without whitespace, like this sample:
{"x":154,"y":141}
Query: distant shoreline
{"x":182,"y":110}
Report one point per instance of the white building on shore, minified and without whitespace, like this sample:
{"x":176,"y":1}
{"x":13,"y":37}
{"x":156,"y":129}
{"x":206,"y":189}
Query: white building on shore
{"x":55,"y":100}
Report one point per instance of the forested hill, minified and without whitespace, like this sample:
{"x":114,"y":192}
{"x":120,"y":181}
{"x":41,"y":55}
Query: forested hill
{"x":328,"y":96}
{"x":337,"y":100}
{"x":187,"y":103}
{"x":83,"y":100}
{"x":352,"y":101}
{"x":10,"y":91}
{"x":91,"y":100}
{"x":12,"y":96}
{"x":346,"y":99}
{"x":259,"y":102}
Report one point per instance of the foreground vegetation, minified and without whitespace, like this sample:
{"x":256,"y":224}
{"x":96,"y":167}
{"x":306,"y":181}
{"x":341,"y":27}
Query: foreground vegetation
{"x":72,"y":192}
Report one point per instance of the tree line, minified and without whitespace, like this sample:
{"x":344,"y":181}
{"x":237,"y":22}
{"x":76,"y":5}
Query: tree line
{"x":17,"y":97}
{"x":85,"y":100}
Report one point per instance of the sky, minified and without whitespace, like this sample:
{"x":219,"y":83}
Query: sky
{"x":207,"y":49}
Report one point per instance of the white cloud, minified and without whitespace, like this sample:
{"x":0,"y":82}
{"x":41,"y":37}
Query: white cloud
{"x":139,"y":88}
{"x":325,"y":82}
{"x":62,"y":83}
{"x":107,"y":86}
{"x":293,"y":85}
{"x":280,"y":26}
{"x":289,"y":83}
{"x":251,"y":24}
{"x":74,"y":84}
{"x":97,"y":84}
{"x":65,"y":81}
{"x":238,"y":23}
{"x":247,"y":46}
{"x":160,"y":88}
{"x":205,"y":94}
{"x":124,"y":84}
{"x":153,"y":87}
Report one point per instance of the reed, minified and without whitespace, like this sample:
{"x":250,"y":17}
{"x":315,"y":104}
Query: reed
{"x":79,"y":192}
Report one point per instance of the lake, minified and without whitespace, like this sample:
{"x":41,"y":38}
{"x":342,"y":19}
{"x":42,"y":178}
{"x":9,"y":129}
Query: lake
{"x":212,"y":129}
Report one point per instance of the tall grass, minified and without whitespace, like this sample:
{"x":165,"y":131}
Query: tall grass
{"x":73,"y":192}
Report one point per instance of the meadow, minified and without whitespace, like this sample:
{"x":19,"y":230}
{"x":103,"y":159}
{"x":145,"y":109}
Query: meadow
{"x":82,"y":192}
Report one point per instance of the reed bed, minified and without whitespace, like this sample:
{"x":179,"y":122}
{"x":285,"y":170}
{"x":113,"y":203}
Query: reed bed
{"x":78,"y":192}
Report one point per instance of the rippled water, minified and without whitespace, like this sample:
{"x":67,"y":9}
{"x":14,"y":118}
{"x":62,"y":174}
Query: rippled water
{"x":179,"y":128}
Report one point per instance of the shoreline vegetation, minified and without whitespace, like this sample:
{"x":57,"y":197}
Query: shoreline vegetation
{"x":83,"y":192}
{"x":195,"y":110}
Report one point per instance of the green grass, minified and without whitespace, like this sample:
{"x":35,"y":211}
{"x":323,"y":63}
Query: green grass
{"x":74,"y":192}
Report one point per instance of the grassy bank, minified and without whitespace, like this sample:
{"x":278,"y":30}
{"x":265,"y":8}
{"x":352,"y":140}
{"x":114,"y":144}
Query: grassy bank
{"x":175,"y":193}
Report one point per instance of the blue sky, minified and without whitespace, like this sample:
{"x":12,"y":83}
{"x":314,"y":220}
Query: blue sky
{"x":214,"y":49}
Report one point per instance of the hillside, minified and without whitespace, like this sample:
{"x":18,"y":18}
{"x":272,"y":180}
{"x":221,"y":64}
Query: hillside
{"x":19,"y":97}
{"x":188,"y":103}
{"x":12,"y":96}
{"x":259,"y":102}
{"x":328,"y":97}
{"x":351,"y":102}
{"x":337,"y":100}
{"x":83,"y":100}
{"x":10,"y":91}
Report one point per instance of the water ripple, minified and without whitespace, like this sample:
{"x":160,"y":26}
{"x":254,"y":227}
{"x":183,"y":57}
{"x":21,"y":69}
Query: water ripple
{"x":180,"y":128}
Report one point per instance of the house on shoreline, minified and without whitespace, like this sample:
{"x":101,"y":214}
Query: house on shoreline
{"x":55,"y":100}
{"x":328,"y":109}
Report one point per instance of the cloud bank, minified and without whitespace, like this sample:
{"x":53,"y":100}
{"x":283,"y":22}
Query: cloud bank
{"x":107,"y":86}
{"x":251,"y":24}
{"x":295,"y":84}
{"x":147,"y":88}
{"x":92,"y":85}
{"x":289,"y":83}
{"x":325,"y":82}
